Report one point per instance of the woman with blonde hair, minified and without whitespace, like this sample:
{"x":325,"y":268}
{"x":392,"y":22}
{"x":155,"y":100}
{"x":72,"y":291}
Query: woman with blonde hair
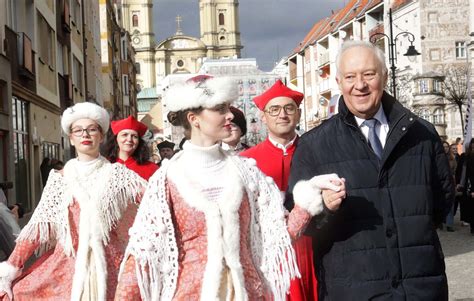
{"x":80,"y":226}
{"x":211,"y":225}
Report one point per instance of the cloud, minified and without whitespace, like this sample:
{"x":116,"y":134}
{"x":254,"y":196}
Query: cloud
{"x":269,"y":29}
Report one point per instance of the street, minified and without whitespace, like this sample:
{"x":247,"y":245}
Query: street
{"x":458,"y":250}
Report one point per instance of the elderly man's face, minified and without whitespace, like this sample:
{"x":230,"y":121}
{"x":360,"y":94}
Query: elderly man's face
{"x":361,"y":81}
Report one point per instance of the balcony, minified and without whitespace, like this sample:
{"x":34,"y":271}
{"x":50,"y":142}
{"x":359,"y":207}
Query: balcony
{"x":377,"y":29}
{"x":323,"y":85}
{"x":323,"y":58}
{"x":19,"y":50}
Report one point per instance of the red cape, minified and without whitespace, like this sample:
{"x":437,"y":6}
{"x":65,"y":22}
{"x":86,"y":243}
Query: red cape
{"x":145,"y":170}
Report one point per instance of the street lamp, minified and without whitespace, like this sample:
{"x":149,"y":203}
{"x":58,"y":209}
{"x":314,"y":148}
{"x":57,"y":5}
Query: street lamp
{"x":392,"y":54}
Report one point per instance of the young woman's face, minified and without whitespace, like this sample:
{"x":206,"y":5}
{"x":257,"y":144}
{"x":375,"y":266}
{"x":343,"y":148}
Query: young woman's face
{"x":86,"y":136}
{"x":127,"y":141}
{"x":446,"y":147}
{"x":235,"y":135}
{"x":215,"y":123}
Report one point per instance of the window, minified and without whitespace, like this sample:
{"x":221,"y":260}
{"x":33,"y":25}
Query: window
{"x":437,"y":86}
{"x":435,"y":55}
{"x":76,"y":14}
{"x":125,"y":85}
{"x":433,"y":18}
{"x":221,"y":19}
{"x":135,"y":20}
{"x":423,"y":86}
{"x":21,"y":149}
{"x":425,"y":114}
{"x":438,"y":116}
{"x":124,"y":50}
{"x":50,"y":150}
{"x":60,"y":58}
{"x":460,"y":50}
{"x":137,"y":66}
{"x":77,"y":74}
{"x":46,"y":47}
{"x":3,"y":96}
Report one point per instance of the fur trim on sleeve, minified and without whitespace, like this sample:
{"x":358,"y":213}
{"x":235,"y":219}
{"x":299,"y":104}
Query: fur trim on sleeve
{"x":8,"y":273}
{"x":308,"y":197}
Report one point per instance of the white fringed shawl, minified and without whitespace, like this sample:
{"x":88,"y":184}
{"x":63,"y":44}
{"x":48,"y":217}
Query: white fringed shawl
{"x":103,"y":194}
{"x":153,"y":245}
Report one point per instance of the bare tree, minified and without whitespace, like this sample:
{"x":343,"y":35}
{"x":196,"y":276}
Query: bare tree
{"x":455,"y":86}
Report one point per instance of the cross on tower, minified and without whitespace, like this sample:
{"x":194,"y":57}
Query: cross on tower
{"x":179,"y":19}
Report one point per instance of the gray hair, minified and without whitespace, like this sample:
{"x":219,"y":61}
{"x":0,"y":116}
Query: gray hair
{"x":379,"y":54}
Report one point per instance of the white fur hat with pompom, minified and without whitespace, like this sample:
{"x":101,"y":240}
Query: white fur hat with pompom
{"x":85,"y":110}
{"x":201,"y":92}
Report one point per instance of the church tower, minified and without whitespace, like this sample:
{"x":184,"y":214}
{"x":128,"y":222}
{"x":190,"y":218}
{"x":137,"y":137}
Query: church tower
{"x":138,"y":21}
{"x":219,"y":20}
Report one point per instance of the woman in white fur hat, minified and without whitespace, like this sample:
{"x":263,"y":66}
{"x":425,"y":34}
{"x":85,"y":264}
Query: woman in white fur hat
{"x":211,"y":226}
{"x":80,"y":227}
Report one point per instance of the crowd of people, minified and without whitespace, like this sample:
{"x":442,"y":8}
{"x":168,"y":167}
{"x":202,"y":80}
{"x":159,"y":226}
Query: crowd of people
{"x":347,"y":211}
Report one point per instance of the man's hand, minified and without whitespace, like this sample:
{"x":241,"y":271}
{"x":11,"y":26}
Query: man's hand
{"x":333,"y":197}
{"x":307,"y":194}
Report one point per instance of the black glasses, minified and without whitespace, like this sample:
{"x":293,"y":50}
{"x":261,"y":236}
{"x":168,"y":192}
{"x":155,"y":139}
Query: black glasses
{"x":290,"y":109}
{"x":91,"y":131}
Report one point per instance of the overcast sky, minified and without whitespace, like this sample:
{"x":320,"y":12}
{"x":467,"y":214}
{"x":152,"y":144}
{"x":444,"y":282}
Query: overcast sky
{"x":269,"y":29}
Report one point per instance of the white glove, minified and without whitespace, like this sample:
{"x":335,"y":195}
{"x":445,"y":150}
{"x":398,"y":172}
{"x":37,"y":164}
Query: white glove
{"x":8,"y":273}
{"x":307,"y":194}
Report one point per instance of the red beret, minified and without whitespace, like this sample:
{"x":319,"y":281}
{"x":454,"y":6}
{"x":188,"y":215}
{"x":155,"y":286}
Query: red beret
{"x":277,"y":90}
{"x":129,"y":123}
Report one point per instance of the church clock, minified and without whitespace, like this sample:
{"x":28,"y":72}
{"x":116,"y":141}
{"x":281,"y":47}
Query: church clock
{"x":136,"y":40}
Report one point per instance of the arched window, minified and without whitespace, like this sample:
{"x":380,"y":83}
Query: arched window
{"x":135,"y":20}
{"x":425,"y":114}
{"x":438,"y":116}
{"x":221,"y":19}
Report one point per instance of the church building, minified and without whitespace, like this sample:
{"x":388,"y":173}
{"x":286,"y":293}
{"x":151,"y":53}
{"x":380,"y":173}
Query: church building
{"x":220,"y":38}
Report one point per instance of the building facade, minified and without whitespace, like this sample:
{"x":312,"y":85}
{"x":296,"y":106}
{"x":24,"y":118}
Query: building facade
{"x":439,"y":30}
{"x":50,"y":59}
{"x":251,"y":82}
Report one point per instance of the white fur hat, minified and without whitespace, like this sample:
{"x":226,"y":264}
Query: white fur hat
{"x":206,"y":92}
{"x":85,"y":110}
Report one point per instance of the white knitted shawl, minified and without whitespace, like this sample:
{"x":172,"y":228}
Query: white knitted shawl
{"x":153,"y":244}
{"x":104,"y":193}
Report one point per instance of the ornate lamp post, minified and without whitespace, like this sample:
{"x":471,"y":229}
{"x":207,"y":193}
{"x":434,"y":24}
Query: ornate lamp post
{"x":392,"y":54}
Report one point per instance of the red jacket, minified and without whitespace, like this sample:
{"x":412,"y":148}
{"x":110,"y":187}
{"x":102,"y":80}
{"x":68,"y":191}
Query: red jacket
{"x":145,"y":170}
{"x":272,"y":161}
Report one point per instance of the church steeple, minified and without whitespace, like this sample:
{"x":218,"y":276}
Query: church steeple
{"x":220,"y":27}
{"x":137,"y":18}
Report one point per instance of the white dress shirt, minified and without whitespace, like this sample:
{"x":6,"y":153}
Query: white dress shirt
{"x":381,"y":128}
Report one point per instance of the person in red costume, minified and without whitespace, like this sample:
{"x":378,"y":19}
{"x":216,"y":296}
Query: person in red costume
{"x":280,"y":112}
{"x":126,"y":146}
